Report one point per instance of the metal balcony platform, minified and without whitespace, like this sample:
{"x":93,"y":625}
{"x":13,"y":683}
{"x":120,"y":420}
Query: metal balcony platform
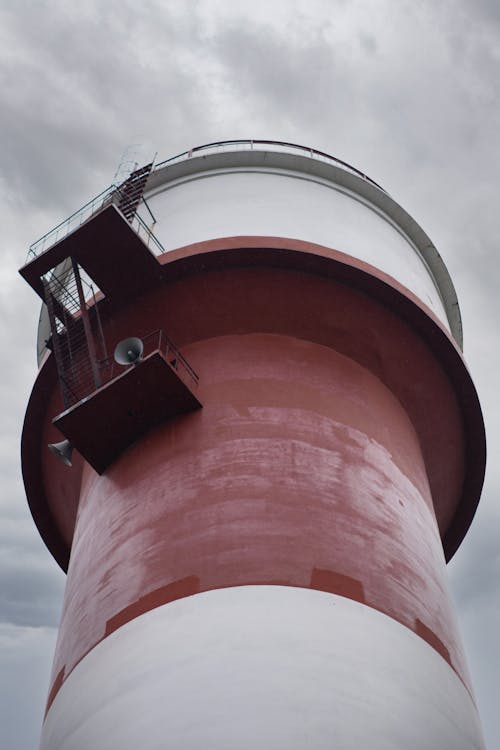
{"x":108,"y":248}
{"x":110,"y":419}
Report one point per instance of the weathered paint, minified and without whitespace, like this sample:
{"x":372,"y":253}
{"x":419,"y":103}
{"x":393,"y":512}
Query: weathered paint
{"x":263,"y":667}
{"x":302,"y":469}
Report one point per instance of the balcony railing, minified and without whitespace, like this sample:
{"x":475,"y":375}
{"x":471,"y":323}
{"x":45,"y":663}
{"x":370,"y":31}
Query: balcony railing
{"x":154,"y":341}
{"x":111,"y":195}
{"x":265,"y":145}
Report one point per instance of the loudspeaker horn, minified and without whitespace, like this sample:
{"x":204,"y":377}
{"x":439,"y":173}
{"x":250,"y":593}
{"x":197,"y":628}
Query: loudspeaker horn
{"x":63,"y":451}
{"x":129,"y":351}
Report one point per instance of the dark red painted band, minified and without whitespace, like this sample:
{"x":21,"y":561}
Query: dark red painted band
{"x":53,"y":491}
{"x":235,"y":252}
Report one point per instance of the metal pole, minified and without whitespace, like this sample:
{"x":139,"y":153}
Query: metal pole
{"x":86,"y":326}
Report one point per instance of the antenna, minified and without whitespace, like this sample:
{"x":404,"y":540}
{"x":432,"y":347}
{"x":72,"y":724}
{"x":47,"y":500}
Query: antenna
{"x":135,"y":155}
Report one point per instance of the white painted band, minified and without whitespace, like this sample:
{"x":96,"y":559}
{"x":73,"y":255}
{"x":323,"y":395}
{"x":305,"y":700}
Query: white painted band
{"x":283,"y":203}
{"x":265,"y":667}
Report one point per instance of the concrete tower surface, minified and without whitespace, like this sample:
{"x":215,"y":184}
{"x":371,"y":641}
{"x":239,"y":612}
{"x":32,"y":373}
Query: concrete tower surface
{"x":270,"y":474}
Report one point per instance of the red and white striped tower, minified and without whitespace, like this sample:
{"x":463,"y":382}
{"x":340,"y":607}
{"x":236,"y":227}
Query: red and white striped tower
{"x":258,"y":516}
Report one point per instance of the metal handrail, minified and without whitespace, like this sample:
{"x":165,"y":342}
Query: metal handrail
{"x":110,"y":369}
{"x":167,"y":348}
{"x":64,"y":227}
{"x":150,"y":236}
{"x":225,"y":145}
{"x":112,"y":194}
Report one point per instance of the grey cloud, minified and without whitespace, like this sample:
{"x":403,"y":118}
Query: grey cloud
{"x":475,"y":573}
{"x":31,"y":583}
{"x":25,"y":654}
{"x":68,"y":112}
{"x":294,"y":84}
{"x":368,"y":43}
{"x":30,"y":589}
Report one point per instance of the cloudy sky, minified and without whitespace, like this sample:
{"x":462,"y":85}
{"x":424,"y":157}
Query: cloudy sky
{"x":406,"y":90}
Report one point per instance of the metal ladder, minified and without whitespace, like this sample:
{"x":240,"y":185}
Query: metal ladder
{"x":131,"y":191}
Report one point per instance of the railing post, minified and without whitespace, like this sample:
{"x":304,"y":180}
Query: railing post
{"x":56,"y":344}
{"x":86,"y":326}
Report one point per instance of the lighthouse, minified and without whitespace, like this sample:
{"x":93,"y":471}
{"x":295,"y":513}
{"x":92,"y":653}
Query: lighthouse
{"x":253,"y":444}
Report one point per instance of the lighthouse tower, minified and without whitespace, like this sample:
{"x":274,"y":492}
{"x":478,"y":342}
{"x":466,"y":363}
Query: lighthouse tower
{"x":264,"y":447}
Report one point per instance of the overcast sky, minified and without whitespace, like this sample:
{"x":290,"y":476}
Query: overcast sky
{"x":406,"y":90}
